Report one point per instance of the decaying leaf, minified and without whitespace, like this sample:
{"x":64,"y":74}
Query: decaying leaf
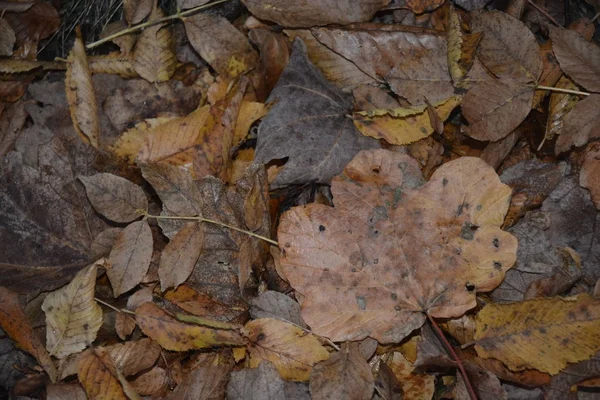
{"x":153,"y":56}
{"x":136,"y":10}
{"x":581,"y":125}
{"x":308,"y":124}
{"x":346,"y":374}
{"x":577,"y":57}
{"x":180,"y":256}
{"x":178,"y":336}
{"x":292,"y":350}
{"x":543,"y":334}
{"x":130,"y":257}
{"x":72,"y":316}
{"x":114,"y":197}
{"x":100,"y":378}
{"x":255,"y":383}
{"x":315,"y":12}
{"x":81,"y":95}
{"x":368,"y":269}
{"x":589,"y":176}
{"x":202,"y":383}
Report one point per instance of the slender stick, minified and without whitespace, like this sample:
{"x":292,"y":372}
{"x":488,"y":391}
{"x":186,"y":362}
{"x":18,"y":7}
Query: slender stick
{"x":113,"y":307}
{"x":150,"y":23}
{"x":561,"y":90}
{"x":544,"y":12}
{"x":461,"y":368}
{"x":211,"y":221}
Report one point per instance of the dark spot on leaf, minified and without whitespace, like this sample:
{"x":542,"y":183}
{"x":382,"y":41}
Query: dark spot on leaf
{"x":362,"y":302}
{"x":404,"y":275}
{"x":376,"y":261}
{"x":288,"y":245}
{"x":542,"y":330}
{"x":497,"y":266}
{"x":86,"y":327}
{"x":321,"y":228}
{"x":470,"y":287}
{"x":468,"y":231}
{"x":394,"y":296}
{"x":527,"y":333}
{"x":459,"y":210}
{"x":375,"y":170}
{"x":479,"y":207}
{"x":496,"y":242}
{"x":564,"y":342}
{"x":458,"y":250}
{"x":261,"y":336}
{"x":444,"y":181}
{"x":397,"y":308}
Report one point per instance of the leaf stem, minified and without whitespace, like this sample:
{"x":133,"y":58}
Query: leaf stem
{"x":461,"y":367}
{"x":146,"y":24}
{"x":113,"y":307}
{"x":544,"y":13}
{"x":211,"y":221}
{"x":561,"y":90}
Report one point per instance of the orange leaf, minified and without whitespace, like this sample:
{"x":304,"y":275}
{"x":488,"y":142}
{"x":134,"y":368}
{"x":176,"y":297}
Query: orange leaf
{"x":99,"y":376}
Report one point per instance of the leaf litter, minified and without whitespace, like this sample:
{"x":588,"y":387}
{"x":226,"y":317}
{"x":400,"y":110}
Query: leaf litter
{"x":303,"y":202}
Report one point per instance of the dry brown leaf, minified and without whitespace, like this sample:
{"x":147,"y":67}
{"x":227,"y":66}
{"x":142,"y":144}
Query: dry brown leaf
{"x":136,"y":10}
{"x":16,"y":325}
{"x":262,"y":383}
{"x":99,"y":377}
{"x":271,"y":304}
{"x":461,"y":49}
{"x":543,"y":334}
{"x":202,"y":383}
{"x":125,"y":42}
{"x":12,"y":120}
{"x":291,"y":349}
{"x":109,"y":64}
{"x":154,"y":56}
{"x":508,"y":48}
{"x":131,"y":141}
{"x":577,"y":57}
{"x":30,"y":26}
{"x":344,"y":375}
{"x":81,"y":95}
{"x":72,"y":316}
{"x":581,"y":125}
{"x":560,"y":105}
{"x":130,"y":257}
{"x":218,"y":42}
{"x":314,"y":12}
{"x":414,"y":63}
{"x":116,"y":198}
{"x":448,"y":227}
{"x":180,"y":256}
{"x":274,"y":56}
{"x":414,"y":385}
{"x":7,"y":38}
{"x":495,"y":108}
{"x":589,"y":176}
{"x":134,"y":356}
{"x":154,"y":382}
{"x":178,"y":336}
{"x":403,"y":125}
{"x":551,"y":72}
{"x":71,"y":391}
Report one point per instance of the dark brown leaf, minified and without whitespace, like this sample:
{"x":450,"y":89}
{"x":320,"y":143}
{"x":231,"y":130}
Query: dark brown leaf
{"x":180,"y":256}
{"x":577,"y":57}
{"x":206,"y":383}
{"x":581,"y":125}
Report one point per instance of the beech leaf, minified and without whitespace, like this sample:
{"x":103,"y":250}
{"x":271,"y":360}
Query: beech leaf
{"x":581,"y":125}
{"x":114,"y":197}
{"x":72,"y":316}
{"x":154,"y":56}
{"x":99,"y":376}
{"x":364,"y":267}
{"x":308,"y":124}
{"x":577,"y":57}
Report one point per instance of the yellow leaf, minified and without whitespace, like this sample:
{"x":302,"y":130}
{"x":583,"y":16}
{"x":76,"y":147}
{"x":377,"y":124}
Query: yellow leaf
{"x":178,"y":336}
{"x":402,"y":125}
{"x":543,"y":334}
{"x":292,"y":350}
{"x":72,"y":316}
{"x":99,"y":376}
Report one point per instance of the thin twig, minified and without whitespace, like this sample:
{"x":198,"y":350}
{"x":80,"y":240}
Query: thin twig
{"x":544,"y":13}
{"x":461,"y":368}
{"x":143,"y":25}
{"x":561,"y":90}
{"x":113,"y":307}
{"x":211,"y":221}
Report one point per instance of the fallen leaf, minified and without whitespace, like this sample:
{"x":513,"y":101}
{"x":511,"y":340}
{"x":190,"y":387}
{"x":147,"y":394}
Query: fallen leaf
{"x":314,"y":12}
{"x":308,"y":124}
{"x":398,"y":222}
{"x":559,"y":106}
{"x":7,"y":38}
{"x":130,"y":257}
{"x":81,"y":95}
{"x":11,"y":124}
{"x":134,"y":356}
{"x":292,"y":350}
{"x":548,"y":332}
{"x":31,"y":26}
{"x":344,"y":375}
{"x":135,"y":11}
{"x":72,"y":391}
{"x":202,"y":305}
{"x":178,"y":259}
{"x":131,"y":141}
{"x":154,"y":382}
{"x":99,"y":376}
{"x":561,"y":385}
{"x":271,"y":304}
{"x":114,"y":197}
{"x":16,"y":325}
{"x":154,"y":56}
{"x":203,"y":383}
{"x":495,"y":108}
{"x":274,"y":56}
{"x":403,"y":125}
{"x":218,"y":42}
{"x":414,"y":385}
{"x":413,"y":62}
{"x":577,"y":57}
{"x":72,"y":316}
{"x":387,"y":384}
{"x":581,"y":125}
{"x":178,"y":336}
{"x":589,"y":176}
{"x":508,"y":48}
{"x":262,"y":383}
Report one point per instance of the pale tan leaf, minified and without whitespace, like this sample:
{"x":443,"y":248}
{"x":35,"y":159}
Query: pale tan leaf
{"x":577,"y":57}
{"x":72,"y":316}
{"x":314,"y":12}
{"x":154,"y":56}
{"x":206,"y":383}
{"x":292,"y":350}
{"x":178,"y":336}
{"x":134,"y":356}
{"x":116,"y":198}
{"x":112,"y":65}
{"x":581,"y":125}
{"x":345,"y":375}
{"x":136,"y":10}
{"x":131,"y":141}
{"x":508,"y":48}
{"x":179,"y":257}
{"x":71,"y":391}
{"x":559,"y":106}
{"x":99,"y":376}
{"x":81,"y":95}
{"x":125,"y":42}
{"x":495,"y":108}
{"x":154,"y":382}
{"x":218,"y":42}
{"x":130,"y":257}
